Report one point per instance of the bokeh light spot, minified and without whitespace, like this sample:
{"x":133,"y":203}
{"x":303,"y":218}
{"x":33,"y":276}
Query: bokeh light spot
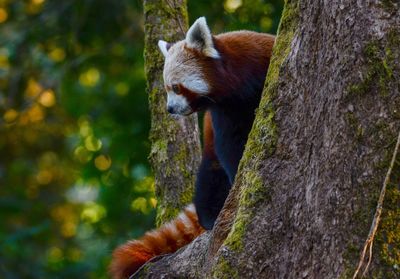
{"x":232,"y":5}
{"x":4,"y":63}
{"x":266,"y":23}
{"x":140,"y":204}
{"x":33,"y":88}
{"x":54,"y":254}
{"x":102,"y":162}
{"x":144,"y":185}
{"x":57,"y":54}
{"x":68,"y":229}
{"x":3,"y":15}
{"x":35,"y":113}
{"x":10,"y":115}
{"x":37,"y":2}
{"x":82,"y":193}
{"x":93,"y":212}
{"x":63,"y":213}
{"x":139,"y":171}
{"x":48,"y":159}
{"x":82,"y":154}
{"x":92,"y":143}
{"x":84,"y":127}
{"x":153,"y":202}
{"x":34,"y":6}
{"x":44,"y":177}
{"x":90,"y":78}
{"x":47,"y":98}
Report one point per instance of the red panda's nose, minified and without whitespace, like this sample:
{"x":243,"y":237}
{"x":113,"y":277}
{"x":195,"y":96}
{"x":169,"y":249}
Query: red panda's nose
{"x":170,"y":109}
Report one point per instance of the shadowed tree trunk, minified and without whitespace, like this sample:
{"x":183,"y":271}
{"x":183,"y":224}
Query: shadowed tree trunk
{"x":309,"y":180}
{"x":175,"y":153}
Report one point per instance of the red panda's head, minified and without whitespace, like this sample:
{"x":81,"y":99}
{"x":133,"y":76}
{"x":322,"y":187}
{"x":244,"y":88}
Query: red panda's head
{"x":185,"y":69}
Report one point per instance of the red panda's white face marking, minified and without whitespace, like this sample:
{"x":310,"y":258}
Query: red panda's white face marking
{"x":182,"y":67}
{"x":178,"y":104}
{"x":184,"y":78}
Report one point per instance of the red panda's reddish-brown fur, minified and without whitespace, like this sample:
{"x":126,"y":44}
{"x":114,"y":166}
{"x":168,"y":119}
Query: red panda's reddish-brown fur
{"x":245,"y":55}
{"x":130,"y":256}
{"x":208,"y":136}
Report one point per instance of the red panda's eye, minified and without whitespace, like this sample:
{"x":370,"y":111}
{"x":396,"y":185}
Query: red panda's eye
{"x":175,"y":88}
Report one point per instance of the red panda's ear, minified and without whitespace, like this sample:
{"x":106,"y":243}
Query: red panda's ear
{"x":164,"y":47}
{"x":199,"y":37}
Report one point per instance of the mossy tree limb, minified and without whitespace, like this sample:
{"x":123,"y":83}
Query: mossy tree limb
{"x":175,"y":152}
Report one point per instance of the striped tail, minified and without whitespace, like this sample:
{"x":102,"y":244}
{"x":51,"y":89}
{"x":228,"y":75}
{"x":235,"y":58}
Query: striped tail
{"x":129,"y":257}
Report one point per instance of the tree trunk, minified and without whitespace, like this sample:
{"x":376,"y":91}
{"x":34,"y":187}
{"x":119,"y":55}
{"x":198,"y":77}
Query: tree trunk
{"x":175,"y":153}
{"x":309,"y":180}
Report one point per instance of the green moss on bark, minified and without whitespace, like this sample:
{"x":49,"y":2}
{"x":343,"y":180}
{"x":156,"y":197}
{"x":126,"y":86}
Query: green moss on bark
{"x":223,"y":270}
{"x":262,"y":142}
{"x":379,"y":70}
{"x":249,"y":196}
{"x":390,"y":6}
{"x":264,"y":134}
{"x":356,"y":127}
{"x":387,"y":242}
{"x":388,"y":237}
{"x":380,"y":78}
{"x":175,"y":152}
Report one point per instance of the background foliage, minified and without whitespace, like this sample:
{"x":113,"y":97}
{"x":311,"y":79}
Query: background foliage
{"x":74,"y":177}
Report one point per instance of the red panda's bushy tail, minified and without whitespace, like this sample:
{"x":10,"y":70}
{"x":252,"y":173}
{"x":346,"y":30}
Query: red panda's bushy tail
{"x":130,"y":256}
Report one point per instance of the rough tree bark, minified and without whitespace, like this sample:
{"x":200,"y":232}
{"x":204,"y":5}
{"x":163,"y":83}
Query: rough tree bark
{"x":308,"y":183}
{"x":175,"y":153}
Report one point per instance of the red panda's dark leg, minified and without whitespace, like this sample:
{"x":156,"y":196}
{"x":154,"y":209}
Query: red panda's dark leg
{"x":212,"y":183}
{"x":212,"y":188}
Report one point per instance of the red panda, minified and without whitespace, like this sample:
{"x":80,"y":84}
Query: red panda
{"x":223,"y":75}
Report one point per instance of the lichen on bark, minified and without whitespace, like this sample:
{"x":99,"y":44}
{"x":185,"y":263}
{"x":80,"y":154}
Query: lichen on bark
{"x":175,"y":152}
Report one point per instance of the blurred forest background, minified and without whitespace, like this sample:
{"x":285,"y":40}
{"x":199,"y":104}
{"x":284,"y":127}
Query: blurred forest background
{"x":74,"y":176}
